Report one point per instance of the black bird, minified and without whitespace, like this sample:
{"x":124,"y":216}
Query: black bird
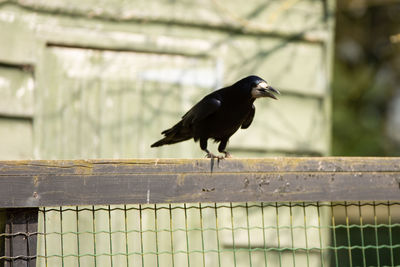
{"x":219,"y":115}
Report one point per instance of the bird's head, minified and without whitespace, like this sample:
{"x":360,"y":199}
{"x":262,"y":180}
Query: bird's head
{"x":260,"y":88}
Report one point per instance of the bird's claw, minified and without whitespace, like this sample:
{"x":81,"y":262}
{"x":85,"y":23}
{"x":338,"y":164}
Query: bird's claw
{"x":227,"y":155}
{"x":212,"y":156}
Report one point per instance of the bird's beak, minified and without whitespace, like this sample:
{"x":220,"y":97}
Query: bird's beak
{"x":267,"y":91}
{"x":270,"y":91}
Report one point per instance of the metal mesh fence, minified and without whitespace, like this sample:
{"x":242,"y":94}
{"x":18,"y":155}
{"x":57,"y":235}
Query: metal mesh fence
{"x":220,"y":234}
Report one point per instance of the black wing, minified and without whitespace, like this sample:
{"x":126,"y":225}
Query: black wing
{"x":201,"y":110}
{"x":249,"y":119}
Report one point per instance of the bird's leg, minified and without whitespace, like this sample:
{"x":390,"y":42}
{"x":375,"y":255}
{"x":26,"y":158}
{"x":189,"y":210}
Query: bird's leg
{"x":221,"y":148}
{"x":203,"y":146}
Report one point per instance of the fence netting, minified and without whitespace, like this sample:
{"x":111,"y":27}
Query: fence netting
{"x":220,"y":234}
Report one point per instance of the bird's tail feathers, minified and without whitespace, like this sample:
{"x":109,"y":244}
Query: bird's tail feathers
{"x":173,"y":135}
{"x":159,"y":143}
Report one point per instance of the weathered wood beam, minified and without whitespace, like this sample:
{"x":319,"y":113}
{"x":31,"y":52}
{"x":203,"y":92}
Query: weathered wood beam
{"x":81,"y":182}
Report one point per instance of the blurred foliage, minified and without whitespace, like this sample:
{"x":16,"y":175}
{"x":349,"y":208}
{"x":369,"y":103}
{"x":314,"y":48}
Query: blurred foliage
{"x":366,"y":77}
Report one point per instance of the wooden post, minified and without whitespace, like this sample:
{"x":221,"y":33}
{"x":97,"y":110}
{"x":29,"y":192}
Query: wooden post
{"x":18,"y":243}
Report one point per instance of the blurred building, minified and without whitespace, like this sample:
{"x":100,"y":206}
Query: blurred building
{"x":86,"y":80}
{"x":102,"y":79}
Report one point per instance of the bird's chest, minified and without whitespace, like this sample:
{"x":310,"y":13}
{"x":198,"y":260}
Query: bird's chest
{"x":227,"y":121}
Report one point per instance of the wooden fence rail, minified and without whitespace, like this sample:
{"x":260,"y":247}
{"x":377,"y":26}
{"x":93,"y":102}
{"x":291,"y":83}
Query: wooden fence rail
{"x":37,"y":183}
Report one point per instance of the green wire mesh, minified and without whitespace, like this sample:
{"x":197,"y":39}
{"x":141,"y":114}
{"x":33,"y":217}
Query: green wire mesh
{"x":221,"y":234}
